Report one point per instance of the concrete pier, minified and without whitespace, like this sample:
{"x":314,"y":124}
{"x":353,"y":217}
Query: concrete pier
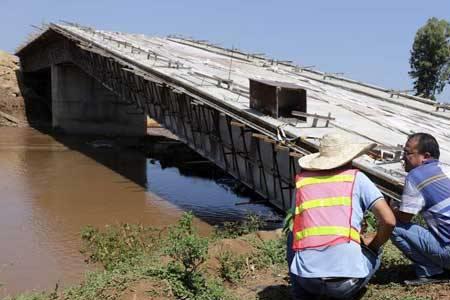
{"x":81,"y":105}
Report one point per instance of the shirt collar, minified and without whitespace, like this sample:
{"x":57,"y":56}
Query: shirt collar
{"x":430,"y":161}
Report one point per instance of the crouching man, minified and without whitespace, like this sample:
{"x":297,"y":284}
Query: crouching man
{"x":328,"y":259}
{"x":427,"y":191}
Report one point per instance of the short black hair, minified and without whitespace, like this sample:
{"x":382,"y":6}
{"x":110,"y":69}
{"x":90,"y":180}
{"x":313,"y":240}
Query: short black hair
{"x":426,"y":143}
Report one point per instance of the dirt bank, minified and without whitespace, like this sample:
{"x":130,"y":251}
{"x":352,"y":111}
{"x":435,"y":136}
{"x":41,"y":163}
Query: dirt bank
{"x":11,"y":100}
{"x":20,"y":105}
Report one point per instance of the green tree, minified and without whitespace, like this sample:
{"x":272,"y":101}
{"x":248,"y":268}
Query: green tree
{"x":430,"y":58}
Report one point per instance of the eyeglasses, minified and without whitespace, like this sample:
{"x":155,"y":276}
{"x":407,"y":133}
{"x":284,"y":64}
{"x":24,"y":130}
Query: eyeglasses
{"x":407,"y":153}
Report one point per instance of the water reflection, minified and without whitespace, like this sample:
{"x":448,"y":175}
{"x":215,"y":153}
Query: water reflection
{"x":53,"y":186}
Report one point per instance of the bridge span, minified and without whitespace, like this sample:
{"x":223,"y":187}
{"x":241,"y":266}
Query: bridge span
{"x":251,"y":115}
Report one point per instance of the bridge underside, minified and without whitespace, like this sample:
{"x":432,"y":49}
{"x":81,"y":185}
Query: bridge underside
{"x":81,"y":105}
{"x":95,"y":93}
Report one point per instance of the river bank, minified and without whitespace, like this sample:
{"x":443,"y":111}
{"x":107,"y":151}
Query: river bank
{"x":235,"y":262}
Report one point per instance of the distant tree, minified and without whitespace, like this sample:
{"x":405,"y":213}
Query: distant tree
{"x":430,"y":58}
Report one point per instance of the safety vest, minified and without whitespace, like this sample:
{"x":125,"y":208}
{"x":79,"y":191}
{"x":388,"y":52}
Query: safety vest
{"x":323,"y":209}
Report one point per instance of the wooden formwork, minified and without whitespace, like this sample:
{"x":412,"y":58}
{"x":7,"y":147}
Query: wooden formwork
{"x":244,"y":147}
{"x":253,"y":158}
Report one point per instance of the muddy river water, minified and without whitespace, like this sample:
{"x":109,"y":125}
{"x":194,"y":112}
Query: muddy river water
{"x":51,"y":187}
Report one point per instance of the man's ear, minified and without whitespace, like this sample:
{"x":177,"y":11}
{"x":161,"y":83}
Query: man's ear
{"x":427,"y":155}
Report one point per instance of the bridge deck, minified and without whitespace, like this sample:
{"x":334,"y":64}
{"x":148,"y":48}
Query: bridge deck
{"x":367,"y":112}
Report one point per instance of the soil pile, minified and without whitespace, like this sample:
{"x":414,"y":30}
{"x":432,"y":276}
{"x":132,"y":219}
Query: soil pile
{"x":258,"y":283}
{"x":11,"y":100}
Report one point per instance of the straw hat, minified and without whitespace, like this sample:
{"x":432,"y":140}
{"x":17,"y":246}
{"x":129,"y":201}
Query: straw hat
{"x":335,"y":150}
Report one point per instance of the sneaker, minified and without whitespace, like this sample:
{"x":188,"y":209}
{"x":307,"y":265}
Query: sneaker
{"x":438,"y":278}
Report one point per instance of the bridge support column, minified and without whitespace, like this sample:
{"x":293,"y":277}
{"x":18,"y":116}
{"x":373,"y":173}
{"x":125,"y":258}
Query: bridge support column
{"x":81,"y":105}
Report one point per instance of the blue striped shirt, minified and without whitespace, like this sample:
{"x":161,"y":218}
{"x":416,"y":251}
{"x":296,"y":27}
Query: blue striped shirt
{"x":427,"y":191}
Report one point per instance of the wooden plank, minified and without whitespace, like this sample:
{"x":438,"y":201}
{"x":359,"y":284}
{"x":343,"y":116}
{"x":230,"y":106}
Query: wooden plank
{"x":295,"y":154}
{"x":281,"y":148}
{"x":270,"y":141}
{"x":259,"y":136}
{"x":237,"y":124}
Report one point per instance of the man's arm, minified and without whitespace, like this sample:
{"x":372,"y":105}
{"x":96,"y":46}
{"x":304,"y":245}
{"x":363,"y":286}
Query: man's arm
{"x":403,"y":217}
{"x":386,"y":223}
{"x":411,"y":204}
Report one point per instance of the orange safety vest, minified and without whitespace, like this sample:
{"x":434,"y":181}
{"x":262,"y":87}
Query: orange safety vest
{"x":323,"y":209}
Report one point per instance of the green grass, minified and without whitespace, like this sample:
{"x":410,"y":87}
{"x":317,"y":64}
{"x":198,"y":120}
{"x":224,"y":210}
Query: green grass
{"x":131,"y":253}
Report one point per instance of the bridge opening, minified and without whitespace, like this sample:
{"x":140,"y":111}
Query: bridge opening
{"x":36,"y":88}
{"x":70,"y":100}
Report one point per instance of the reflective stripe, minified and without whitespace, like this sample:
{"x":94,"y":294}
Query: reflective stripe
{"x":324,"y":179}
{"x":328,"y":230}
{"x":430,"y":180}
{"x":323,"y":202}
{"x":437,"y":207}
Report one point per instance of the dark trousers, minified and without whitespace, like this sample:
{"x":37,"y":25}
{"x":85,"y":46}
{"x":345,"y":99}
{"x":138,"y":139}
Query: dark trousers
{"x":331,"y":288}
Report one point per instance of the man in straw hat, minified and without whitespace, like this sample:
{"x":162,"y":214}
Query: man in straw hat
{"x":328,"y":258}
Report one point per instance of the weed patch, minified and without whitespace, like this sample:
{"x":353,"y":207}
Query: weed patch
{"x":250,"y":224}
{"x":270,"y":253}
{"x":188,"y":251}
{"x":232,"y":267}
{"x":119,"y":244}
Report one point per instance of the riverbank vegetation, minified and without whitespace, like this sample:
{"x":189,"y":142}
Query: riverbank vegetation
{"x":236,"y":262}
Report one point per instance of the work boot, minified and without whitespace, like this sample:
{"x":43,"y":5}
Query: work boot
{"x":443,"y":277}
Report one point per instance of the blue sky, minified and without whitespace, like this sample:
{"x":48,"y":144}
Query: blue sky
{"x":367,"y":40}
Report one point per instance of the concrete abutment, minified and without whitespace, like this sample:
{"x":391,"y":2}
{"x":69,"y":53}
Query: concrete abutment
{"x":81,"y":105}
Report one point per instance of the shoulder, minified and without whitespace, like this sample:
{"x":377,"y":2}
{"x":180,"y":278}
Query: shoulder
{"x":423,"y":172}
{"x":412,"y":200}
{"x":366,"y":191}
{"x":362,"y":179}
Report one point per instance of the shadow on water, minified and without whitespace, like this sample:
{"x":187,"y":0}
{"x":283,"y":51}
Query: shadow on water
{"x":159,"y":164}
{"x":174,"y":172}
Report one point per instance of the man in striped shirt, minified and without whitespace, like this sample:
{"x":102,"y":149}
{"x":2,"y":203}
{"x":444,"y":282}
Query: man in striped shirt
{"x":426,"y":191}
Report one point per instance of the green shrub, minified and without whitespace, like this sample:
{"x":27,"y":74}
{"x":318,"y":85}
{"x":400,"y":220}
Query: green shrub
{"x":188,"y":251}
{"x":232,"y":267}
{"x":107,"y":284}
{"x":118,"y":244}
{"x":269,"y":253}
{"x":185,"y":246}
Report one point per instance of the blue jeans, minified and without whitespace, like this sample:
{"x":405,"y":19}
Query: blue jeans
{"x":319,"y":288}
{"x":430,"y":257}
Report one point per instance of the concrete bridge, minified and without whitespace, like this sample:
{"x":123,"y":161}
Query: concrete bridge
{"x":250,"y":115}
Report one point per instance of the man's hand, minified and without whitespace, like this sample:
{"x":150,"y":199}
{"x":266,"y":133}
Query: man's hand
{"x":403,"y":217}
{"x":367,"y":238}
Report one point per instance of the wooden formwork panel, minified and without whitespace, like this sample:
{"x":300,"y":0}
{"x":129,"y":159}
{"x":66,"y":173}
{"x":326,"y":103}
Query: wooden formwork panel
{"x":254,"y":160}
